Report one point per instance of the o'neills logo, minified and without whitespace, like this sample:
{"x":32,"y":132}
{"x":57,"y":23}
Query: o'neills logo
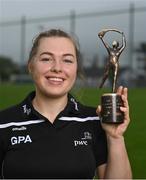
{"x":19,"y":128}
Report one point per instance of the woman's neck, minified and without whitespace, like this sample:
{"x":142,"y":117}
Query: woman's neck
{"x":49,"y":107}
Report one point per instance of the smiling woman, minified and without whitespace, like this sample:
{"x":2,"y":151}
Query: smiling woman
{"x":54,"y":67}
{"x":52,"y":135}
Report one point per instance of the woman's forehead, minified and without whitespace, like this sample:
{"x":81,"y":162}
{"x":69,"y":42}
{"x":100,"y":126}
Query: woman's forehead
{"x":56,"y":43}
{"x":56,"y":40}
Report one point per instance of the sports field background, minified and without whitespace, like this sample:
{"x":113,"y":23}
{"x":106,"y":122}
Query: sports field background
{"x":135,"y":136}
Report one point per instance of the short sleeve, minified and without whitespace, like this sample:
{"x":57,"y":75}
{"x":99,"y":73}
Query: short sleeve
{"x":100,"y":144}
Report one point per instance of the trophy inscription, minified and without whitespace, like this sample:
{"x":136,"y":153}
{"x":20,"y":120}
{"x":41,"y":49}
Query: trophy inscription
{"x":111,"y":102}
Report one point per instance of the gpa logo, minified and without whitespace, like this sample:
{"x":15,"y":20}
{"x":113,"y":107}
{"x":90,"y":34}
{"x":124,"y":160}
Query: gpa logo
{"x":20,"y":139}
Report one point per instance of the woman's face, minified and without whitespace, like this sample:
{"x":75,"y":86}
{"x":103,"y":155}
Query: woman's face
{"x":54,"y":67}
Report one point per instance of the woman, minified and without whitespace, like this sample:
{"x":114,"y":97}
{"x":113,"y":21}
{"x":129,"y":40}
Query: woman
{"x":50,"y":134}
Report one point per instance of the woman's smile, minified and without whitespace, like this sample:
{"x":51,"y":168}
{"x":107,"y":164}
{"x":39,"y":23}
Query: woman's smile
{"x":53,"y":80}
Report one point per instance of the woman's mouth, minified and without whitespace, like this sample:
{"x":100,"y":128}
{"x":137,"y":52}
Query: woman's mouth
{"x":55,"y":80}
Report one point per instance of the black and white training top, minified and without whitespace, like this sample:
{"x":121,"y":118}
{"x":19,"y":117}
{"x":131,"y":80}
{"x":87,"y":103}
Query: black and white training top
{"x":32,"y":147}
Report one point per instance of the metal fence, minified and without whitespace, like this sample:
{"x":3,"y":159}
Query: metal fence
{"x":16,"y":36}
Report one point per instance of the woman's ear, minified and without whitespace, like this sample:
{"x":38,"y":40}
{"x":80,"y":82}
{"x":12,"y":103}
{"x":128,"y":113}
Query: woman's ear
{"x":29,"y":67}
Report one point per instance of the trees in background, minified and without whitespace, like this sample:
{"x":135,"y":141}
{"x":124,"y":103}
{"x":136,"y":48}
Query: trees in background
{"x":12,"y":71}
{"x":7,"y":68}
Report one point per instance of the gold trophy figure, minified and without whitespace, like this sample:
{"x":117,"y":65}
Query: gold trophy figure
{"x":111,"y":102}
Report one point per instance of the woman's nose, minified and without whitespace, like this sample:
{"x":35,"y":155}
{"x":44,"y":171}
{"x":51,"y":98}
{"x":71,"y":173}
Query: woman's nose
{"x":56,"y":67}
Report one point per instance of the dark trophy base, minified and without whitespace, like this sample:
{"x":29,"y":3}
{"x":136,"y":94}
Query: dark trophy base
{"x":111,"y":113}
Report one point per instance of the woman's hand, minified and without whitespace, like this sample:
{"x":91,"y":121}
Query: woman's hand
{"x":117,"y":130}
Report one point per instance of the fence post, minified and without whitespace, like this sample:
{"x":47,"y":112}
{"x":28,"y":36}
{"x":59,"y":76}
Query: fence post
{"x":22,"y":41}
{"x":72,"y":22}
{"x":131,"y":34}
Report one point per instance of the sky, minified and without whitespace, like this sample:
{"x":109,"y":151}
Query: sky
{"x":86,"y":28}
{"x":12,"y":9}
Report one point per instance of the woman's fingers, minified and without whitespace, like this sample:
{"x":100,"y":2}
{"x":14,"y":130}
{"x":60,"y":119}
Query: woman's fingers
{"x":125,"y":92}
{"x":120,"y":90}
{"x":98,"y":110}
{"x":125,"y":108}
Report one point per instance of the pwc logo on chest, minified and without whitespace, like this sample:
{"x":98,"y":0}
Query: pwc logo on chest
{"x":80,"y":143}
{"x":84,"y":140}
{"x":20,"y":139}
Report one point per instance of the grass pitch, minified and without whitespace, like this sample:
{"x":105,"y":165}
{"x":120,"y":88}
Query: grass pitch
{"x":135,"y":135}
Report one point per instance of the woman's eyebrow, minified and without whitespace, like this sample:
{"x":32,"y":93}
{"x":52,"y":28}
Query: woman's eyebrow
{"x":51,"y":54}
{"x":68,"y":54}
{"x":46,"y":53}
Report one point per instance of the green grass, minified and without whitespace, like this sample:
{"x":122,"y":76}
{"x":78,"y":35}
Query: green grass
{"x":135,"y":136}
{"x":13,"y":94}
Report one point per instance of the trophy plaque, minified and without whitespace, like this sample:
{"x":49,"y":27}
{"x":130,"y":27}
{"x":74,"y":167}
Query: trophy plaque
{"x":111,"y":102}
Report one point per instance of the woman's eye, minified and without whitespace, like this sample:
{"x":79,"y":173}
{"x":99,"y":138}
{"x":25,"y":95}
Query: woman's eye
{"x":68,"y":61}
{"x":46,"y":59}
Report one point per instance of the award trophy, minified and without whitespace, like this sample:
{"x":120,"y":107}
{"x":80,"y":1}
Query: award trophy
{"x":111,"y":102}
